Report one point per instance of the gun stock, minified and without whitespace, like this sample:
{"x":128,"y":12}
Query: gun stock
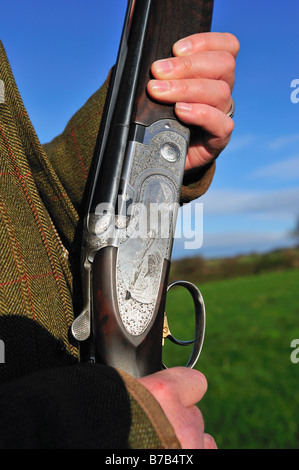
{"x":170,"y":21}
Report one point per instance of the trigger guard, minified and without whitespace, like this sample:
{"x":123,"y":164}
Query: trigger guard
{"x":200,"y":322}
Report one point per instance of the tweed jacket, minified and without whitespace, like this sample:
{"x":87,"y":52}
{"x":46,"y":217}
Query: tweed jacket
{"x":41,"y":189}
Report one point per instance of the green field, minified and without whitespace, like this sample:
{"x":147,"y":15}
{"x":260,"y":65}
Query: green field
{"x":253,"y":396}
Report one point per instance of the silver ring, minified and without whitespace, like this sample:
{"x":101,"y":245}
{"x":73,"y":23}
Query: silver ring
{"x":232,"y":110}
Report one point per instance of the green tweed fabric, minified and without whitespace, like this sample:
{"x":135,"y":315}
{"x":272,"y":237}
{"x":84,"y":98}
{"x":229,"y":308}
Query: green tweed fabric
{"x":141,"y":426}
{"x":35,"y":277}
{"x":40,"y":190}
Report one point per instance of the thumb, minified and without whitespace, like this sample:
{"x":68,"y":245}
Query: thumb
{"x":187,"y":386}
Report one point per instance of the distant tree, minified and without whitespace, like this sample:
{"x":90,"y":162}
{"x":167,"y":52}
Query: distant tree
{"x":295,"y":231}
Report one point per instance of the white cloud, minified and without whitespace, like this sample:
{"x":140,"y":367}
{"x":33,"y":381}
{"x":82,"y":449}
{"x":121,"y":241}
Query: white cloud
{"x":241,"y":222}
{"x":239,"y":142}
{"x":286,"y":169}
{"x":241,"y":239}
{"x":283,"y":141}
{"x":229,"y":244}
{"x":221,"y":202}
{"x":234,"y":243}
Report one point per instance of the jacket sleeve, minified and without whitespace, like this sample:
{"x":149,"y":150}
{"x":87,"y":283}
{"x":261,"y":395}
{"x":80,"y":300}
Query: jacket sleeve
{"x":83,"y":406}
{"x":72,"y":407}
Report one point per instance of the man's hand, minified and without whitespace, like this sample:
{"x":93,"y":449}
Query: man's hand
{"x":200,"y":80}
{"x":178,"y":390}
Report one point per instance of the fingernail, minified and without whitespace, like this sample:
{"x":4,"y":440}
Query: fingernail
{"x":160,"y":86}
{"x":164,"y":66}
{"x":183,"y":46}
{"x":184,"y":107}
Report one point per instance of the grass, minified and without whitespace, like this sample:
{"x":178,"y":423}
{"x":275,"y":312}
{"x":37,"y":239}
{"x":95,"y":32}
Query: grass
{"x":202,"y":270}
{"x":253,"y":396}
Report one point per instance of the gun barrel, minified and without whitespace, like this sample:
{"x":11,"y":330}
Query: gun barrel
{"x":106,"y":185}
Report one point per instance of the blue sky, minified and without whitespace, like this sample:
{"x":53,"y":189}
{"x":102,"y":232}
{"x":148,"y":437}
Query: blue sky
{"x":61,"y":51}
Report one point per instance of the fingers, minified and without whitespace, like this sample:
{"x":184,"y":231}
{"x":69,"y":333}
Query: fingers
{"x":215,"y":123}
{"x":178,"y":390}
{"x":186,"y":386}
{"x":203,"y":71}
{"x":207,"y":42}
{"x":214,"y":65}
{"x":214,"y":93}
{"x":190,"y":429}
{"x":209,"y":442}
{"x":203,"y":104}
{"x":199,"y":80}
{"x":218,"y":128}
{"x":205,"y":55}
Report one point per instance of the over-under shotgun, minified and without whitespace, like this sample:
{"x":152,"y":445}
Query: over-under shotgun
{"x":133,"y":196}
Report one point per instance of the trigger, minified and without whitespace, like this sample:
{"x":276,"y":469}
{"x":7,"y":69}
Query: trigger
{"x":166,"y":330}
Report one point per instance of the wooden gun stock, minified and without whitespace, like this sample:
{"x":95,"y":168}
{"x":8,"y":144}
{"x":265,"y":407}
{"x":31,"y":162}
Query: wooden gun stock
{"x":170,"y":21}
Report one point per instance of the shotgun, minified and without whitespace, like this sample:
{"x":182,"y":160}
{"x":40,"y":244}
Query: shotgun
{"x":133,"y":196}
